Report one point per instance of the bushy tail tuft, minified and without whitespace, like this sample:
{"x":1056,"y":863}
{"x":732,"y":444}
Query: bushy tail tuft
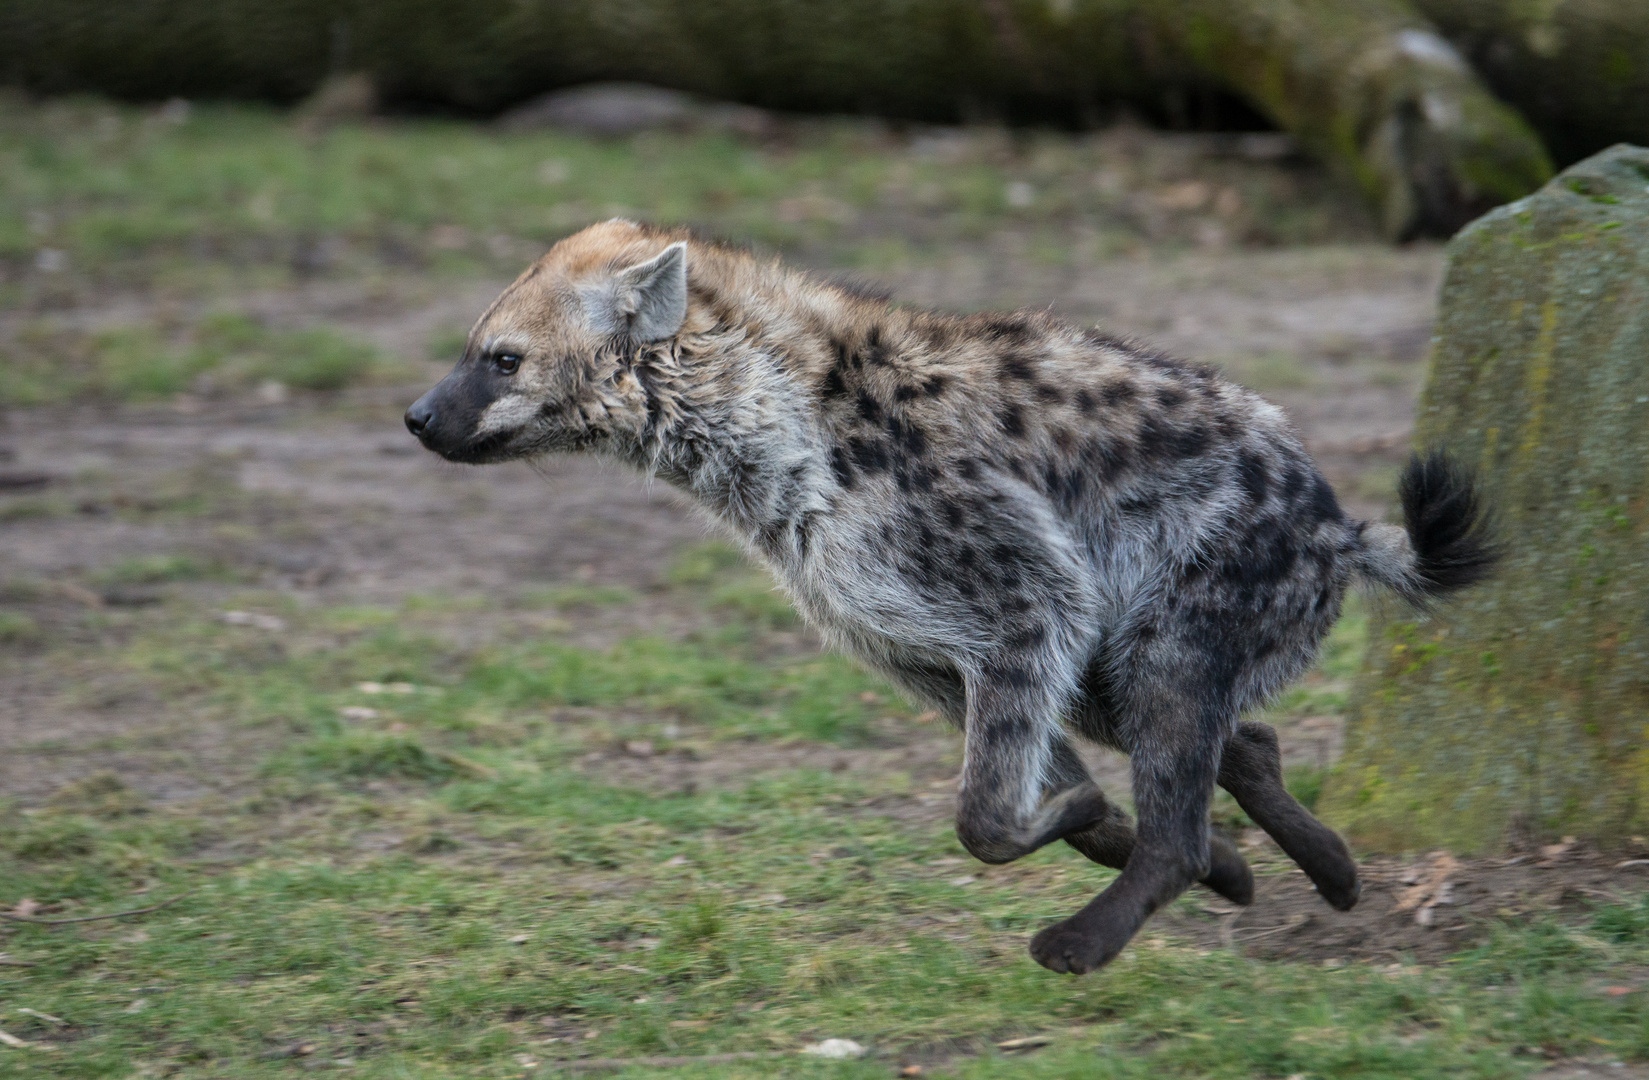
{"x":1446,"y":541}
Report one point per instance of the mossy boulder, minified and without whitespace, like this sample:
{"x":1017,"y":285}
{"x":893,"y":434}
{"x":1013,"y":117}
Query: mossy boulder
{"x":1521,"y":709}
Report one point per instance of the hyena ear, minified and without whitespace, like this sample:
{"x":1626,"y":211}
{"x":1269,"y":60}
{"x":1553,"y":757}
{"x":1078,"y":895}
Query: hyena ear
{"x":645,"y":303}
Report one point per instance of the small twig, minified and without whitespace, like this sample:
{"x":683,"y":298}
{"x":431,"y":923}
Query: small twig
{"x":95,"y":918}
{"x":659,"y":1062}
{"x":1631,"y":863}
{"x":6,"y":961}
{"x":48,"y":1017}
{"x":1292,"y":924}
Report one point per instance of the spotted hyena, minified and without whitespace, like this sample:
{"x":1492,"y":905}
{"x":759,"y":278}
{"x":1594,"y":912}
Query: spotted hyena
{"x":1043,"y":532}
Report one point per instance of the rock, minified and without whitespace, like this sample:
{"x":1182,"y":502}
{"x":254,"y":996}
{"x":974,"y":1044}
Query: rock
{"x":835,"y":1049}
{"x":1518,"y":711}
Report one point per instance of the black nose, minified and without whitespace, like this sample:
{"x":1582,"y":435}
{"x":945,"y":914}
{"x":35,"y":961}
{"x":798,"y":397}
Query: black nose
{"x":419,"y":417}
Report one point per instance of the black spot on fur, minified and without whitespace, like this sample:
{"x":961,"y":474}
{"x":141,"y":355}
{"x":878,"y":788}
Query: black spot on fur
{"x":1161,"y":439}
{"x":1117,"y":391}
{"x":1452,"y":538}
{"x":874,"y":353}
{"x":869,"y":408}
{"x":1138,"y":506}
{"x":1085,"y":403}
{"x":907,"y":435}
{"x":1012,"y":419}
{"x":1028,"y":638}
{"x":832,"y":385}
{"x":968,"y":469}
{"x":1170,"y":397}
{"x":1050,"y":394}
{"x":935,"y":385}
{"x":1013,"y":329}
{"x":1252,"y":476}
{"x":903,"y":394}
{"x":869,"y":454}
{"x":1321,"y":505}
{"x":1293,"y":482}
{"x":1106,"y":457}
{"x":955,"y":516}
{"x":1017,"y":366}
{"x":1012,"y":676}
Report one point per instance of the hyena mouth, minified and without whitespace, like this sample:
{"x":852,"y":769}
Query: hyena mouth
{"x":483,"y":448}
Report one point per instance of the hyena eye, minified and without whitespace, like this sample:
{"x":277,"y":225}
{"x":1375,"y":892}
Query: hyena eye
{"x":506,"y":362}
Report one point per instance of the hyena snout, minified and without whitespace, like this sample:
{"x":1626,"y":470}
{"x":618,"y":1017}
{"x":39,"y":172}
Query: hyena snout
{"x":448,"y":419}
{"x":419,"y":416}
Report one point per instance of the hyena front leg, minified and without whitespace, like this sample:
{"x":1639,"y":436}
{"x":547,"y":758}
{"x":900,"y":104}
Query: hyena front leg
{"x":1178,"y":728}
{"x":1006,"y":805}
{"x":1110,"y":841}
{"x":1252,"y":771}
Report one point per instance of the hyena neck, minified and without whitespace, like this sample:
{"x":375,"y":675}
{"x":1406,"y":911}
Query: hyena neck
{"x":730,"y":424}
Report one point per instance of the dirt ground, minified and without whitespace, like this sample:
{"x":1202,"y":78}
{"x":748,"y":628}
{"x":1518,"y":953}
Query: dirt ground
{"x":336,"y":504}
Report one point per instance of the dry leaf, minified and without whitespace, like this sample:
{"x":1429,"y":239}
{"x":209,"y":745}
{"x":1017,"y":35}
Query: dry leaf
{"x":1428,"y":882}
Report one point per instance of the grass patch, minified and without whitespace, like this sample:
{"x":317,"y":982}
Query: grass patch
{"x":114,"y":190}
{"x":153,"y":570}
{"x":225,"y":352}
{"x":420,"y":878}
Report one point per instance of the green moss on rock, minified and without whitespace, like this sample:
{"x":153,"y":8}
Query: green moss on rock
{"x":1522,"y":708}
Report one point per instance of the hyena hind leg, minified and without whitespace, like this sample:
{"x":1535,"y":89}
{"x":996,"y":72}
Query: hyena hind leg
{"x":1174,"y":762}
{"x":1110,"y":840}
{"x":1251,"y":769}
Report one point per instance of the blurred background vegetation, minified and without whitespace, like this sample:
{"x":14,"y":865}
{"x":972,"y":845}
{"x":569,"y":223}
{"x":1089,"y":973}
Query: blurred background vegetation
{"x":1406,"y":97}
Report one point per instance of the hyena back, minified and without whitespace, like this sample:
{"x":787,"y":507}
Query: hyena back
{"x":1042,"y":532}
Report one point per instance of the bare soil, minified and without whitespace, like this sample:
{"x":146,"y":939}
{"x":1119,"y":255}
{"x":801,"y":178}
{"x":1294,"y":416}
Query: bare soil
{"x":328,"y":501}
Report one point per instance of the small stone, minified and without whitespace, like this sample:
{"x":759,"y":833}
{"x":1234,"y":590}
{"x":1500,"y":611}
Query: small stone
{"x":358,"y":712}
{"x":835,"y":1049}
{"x":639,"y":748}
{"x":255,"y":619}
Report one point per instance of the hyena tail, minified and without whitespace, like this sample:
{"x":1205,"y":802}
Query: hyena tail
{"x":1445,"y":542}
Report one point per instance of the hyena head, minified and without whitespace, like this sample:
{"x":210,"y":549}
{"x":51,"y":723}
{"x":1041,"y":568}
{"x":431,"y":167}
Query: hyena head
{"x":545,"y":366}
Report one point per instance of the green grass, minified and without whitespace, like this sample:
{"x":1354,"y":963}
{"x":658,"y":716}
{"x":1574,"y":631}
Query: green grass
{"x":104,"y":185}
{"x":49,"y":363}
{"x":437,"y":889}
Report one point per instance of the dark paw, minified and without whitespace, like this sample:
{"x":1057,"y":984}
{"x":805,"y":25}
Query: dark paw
{"x":1228,"y":873}
{"x":1337,"y":883}
{"x":1073,"y":948}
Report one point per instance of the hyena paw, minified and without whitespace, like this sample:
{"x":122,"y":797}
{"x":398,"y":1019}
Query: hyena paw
{"x":1076,"y":946}
{"x":1336,"y":881}
{"x":1228,"y":873}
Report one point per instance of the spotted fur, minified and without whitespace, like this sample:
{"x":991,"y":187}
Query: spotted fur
{"x":1043,"y":532}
